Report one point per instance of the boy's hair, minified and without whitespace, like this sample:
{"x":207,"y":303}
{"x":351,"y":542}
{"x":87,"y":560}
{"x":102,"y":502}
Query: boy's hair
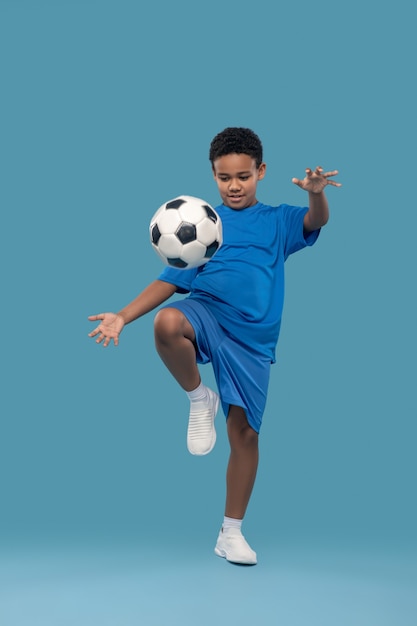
{"x":236,"y":140}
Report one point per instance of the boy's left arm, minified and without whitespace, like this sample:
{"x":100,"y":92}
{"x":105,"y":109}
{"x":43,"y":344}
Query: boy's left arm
{"x":315,"y":182}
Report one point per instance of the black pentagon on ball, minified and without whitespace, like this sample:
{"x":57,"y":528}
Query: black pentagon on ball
{"x":155,"y":234}
{"x":210,"y":213}
{"x":186,"y":232}
{"x":177,"y":263}
{"x":175,"y":204}
{"x":211,"y":249}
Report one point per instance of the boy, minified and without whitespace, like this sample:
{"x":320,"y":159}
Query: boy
{"x":231,"y":317}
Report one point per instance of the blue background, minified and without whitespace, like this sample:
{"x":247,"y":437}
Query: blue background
{"x":107,"y":110}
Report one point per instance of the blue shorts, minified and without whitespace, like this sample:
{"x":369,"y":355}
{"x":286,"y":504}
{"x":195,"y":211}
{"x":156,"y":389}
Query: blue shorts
{"x":242,"y":376}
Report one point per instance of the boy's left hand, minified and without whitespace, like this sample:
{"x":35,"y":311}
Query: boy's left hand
{"x":316,"y":181}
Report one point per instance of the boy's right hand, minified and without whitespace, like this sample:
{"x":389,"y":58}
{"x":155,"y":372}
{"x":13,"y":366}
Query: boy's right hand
{"x":110,"y":328}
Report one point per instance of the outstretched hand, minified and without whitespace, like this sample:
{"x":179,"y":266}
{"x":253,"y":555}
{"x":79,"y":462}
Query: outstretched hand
{"x":110,"y":328}
{"x":315,"y":181}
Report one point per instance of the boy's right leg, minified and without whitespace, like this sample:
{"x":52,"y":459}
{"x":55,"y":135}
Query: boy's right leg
{"x":175,"y":343}
{"x":174,"y":340}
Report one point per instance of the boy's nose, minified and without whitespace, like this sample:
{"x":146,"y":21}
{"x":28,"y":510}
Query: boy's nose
{"x":234,"y":185}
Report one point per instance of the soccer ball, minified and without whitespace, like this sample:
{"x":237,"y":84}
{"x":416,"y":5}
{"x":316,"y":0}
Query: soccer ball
{"x":186,"y":232}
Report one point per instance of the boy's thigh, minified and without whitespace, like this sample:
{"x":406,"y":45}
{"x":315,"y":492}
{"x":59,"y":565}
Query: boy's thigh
{"x":237,"y":418}
{"x":239,"y":430}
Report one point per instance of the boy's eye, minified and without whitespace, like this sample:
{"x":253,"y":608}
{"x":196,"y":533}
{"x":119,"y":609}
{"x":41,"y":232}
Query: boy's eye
{"x":224,"y":179}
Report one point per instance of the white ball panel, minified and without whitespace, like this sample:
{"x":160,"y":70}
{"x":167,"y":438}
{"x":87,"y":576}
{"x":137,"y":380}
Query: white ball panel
{"x":193,"y":212}
{"x":168,"y":221}
{"x":219,"y":227}
{"x":170,"y":246}
{"x":207,"y":232}
{"x":193,"y":253}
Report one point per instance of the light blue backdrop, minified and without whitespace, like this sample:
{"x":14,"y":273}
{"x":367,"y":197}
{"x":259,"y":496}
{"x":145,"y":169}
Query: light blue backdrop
{"x":107,"y":110}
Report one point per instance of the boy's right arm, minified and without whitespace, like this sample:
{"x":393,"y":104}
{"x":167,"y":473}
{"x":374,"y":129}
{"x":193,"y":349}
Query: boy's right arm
{"x":112,"y":324}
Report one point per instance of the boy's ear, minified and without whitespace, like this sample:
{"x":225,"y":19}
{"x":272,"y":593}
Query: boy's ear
{"x":261,"y":171}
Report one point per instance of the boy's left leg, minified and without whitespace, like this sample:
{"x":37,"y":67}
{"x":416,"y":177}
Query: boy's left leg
{"x":243,"y":462}
{"x":240,"y":478}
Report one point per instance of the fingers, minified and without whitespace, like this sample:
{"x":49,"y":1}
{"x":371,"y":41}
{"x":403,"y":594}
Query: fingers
{"x":332,"y":182}
{"x":320,"y":173}
{"x":317,"y":172}
{"x":95,"y":332}
{"x":332,"y":173}
{"x":94,"y":318}
{"x":105,"y":331}
{"x":309,"y":174}
{"x":107,"y":340}
{"x":104,"y":339}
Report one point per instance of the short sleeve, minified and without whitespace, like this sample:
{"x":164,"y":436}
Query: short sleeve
{"x":182,"y":279}
{"x":295,"y":236}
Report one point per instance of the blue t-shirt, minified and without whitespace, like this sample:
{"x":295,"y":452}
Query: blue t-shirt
{"x":243,"y":283}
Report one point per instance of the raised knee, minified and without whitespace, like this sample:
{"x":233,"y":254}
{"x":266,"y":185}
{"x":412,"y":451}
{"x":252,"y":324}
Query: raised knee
{"x":167,"y":323}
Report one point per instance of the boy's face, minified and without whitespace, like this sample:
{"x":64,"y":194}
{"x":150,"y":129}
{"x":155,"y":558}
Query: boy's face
{"x":237,"y":177}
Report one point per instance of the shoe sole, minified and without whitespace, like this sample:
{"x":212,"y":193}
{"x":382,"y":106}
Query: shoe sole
{"x":223,"y":554}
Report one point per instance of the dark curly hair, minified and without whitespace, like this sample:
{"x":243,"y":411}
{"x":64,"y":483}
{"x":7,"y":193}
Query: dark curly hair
{"x":236,"y":140}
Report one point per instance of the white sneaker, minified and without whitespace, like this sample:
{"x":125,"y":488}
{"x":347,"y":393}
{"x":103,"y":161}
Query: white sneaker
{"x":201,"y":434}
{"x":232,"y":546}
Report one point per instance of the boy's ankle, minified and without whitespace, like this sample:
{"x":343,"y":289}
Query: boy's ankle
{"x":199,"y":393}
{"x":231,"y":522}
